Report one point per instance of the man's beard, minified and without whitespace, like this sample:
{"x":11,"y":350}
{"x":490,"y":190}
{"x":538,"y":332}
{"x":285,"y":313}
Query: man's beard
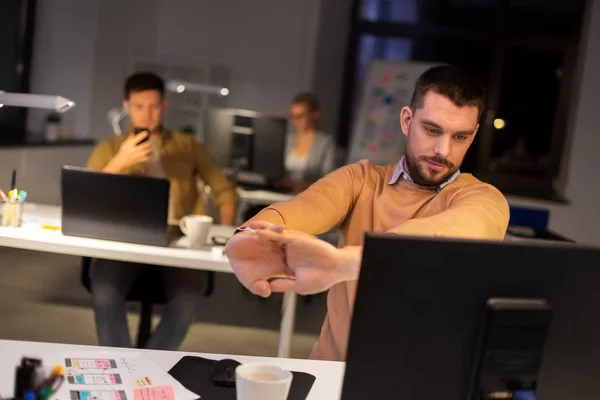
{"x":416,"y":167}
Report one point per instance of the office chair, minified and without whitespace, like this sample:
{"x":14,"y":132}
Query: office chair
{"x":148,"y":290}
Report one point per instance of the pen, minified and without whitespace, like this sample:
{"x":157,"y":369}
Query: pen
{"x":52,"y":383}
{"x":13,"y":181}
{"x":246,"y":228}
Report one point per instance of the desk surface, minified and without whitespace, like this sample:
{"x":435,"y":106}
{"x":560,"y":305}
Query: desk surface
{"x":32,"y":236}
{"x":327,"y":386}
{"x":262,"y":196}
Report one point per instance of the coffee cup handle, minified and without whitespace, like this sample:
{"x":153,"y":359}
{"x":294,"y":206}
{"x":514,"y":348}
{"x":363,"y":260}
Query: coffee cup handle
{"x":182,"y":225}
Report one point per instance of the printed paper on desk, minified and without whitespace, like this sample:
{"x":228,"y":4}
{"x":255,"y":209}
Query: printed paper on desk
{"x":98,"y":395}
{"x":92,"y":372}
{"x":154,"y":393}
{"x":39,"y":222}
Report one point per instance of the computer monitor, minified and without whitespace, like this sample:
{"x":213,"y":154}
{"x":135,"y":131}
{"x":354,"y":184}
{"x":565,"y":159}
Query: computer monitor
{"x":454,"y":319}
{"x":247,"y":141}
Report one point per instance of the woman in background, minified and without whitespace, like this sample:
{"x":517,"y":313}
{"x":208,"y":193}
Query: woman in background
{"x":310,"y":153}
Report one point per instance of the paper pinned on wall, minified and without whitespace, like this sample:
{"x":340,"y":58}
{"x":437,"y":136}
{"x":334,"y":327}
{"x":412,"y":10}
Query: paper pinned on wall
{"x":376,"y":133}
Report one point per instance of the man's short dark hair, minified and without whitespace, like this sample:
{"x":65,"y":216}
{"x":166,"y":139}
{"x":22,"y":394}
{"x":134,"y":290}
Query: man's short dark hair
{"x":454,"y":83}
{"x":141,"y":81}
{"x":309,"y":99}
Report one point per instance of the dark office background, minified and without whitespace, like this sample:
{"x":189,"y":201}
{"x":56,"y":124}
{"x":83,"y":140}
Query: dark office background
{"x":16,"y":41}
{"x":524,"y":50}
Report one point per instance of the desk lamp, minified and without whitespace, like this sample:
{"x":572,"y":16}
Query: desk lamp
{"x":56,"y":103}
{"x":178,"y":86}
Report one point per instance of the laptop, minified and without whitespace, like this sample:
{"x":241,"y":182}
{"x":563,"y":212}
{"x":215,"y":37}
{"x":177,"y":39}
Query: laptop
{"x":457,"y":319}
{"x":123,"y":208}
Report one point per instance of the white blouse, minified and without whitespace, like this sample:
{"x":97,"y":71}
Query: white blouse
{"x":296,"y":165}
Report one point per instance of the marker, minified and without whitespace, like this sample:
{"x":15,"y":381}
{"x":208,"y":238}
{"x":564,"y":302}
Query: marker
{"x":52,"y":383}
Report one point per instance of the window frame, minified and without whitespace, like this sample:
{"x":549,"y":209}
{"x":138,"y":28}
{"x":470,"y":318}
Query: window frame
{"x":541,"y":187}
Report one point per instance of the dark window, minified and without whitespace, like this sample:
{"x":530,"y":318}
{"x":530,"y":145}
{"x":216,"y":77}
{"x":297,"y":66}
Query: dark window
{"x":524,"y":50}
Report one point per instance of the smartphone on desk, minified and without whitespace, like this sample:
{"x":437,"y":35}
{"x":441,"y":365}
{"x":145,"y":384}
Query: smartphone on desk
{"x":137,"y":131}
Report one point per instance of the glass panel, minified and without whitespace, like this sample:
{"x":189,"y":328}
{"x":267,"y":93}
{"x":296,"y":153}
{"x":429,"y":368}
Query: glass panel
{"x":472,"y":14}
{"x":525,"y":116}
{"x":547,"y":17}
{"x":405,"y":11}
{"x":472,"y":55}
{"x":463,"y":14}
{"x":381,"y":47}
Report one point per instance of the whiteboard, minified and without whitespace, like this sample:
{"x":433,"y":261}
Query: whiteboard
{"x":387,"y":87}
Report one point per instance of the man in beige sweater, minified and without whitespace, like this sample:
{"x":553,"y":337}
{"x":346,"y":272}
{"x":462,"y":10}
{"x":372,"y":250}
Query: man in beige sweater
{"x":424,"y":194}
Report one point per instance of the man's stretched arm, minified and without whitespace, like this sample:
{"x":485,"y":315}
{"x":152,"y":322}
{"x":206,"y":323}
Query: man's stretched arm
{"x":477,"y":214}
{"x":323,"y":206}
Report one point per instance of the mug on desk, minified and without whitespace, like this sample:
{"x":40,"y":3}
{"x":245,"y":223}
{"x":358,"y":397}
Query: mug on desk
{"x":196,"y":229}
{"x":262,"y":381}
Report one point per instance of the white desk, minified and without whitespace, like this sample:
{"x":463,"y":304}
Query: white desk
{"x":31,"y":236}
{"x":251,"y":198}
{"x":254,"y":197}
{"x":328,"y":384}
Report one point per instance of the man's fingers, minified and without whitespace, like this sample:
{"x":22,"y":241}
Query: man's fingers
{"x":143,"y":149}
{"x":277,"y":228}
{"x":139,"y":137}
{"x":146,"y":147}
{"x":261,"y":288}
{"x":260,"y":225}
{"x":278,"y":237}
{"x":283,"y":285}
{"x":266,"y":225}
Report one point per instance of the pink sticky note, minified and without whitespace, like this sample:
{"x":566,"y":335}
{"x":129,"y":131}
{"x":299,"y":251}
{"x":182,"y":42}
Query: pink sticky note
{"x":154,"y":393}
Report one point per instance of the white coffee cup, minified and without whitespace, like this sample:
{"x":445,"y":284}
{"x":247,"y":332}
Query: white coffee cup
{"x":262,"y":381}
{"x":196,"y":228}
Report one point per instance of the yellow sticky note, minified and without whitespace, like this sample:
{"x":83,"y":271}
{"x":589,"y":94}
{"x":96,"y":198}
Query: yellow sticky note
{"x":144,"y":381}
{"x":375,"y":118}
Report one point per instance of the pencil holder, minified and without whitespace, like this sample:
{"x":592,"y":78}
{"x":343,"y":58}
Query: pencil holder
{"x":11,"y":213}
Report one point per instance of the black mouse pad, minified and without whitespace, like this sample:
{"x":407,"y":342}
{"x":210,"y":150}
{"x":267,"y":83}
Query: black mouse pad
{"x":196,"y":374}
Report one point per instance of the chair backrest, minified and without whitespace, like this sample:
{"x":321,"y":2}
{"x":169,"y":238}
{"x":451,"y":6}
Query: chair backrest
{"x":115,"y":116}
{"x":148,"y":287}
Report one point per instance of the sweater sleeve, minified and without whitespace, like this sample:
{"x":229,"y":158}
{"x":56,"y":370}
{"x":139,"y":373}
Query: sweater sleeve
{"x":323,"y":206}
{"x":480,"y":212}
{"x":208,"y":169}
{"x":102,"y":154}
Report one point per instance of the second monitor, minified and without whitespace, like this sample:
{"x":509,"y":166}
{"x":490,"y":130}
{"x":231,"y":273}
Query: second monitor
{"x":247,"y":141}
